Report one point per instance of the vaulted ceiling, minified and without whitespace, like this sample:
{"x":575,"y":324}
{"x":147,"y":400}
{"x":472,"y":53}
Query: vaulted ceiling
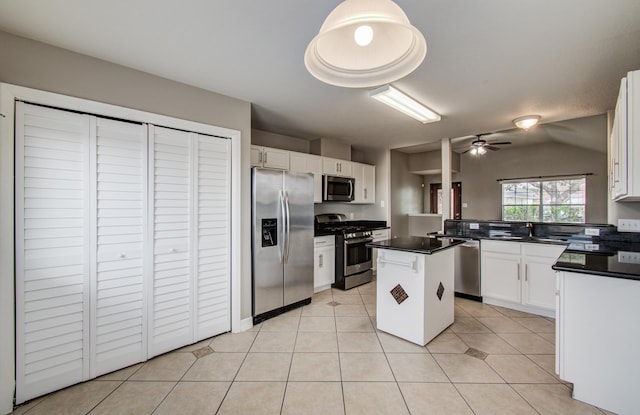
{"x":487,"y":63}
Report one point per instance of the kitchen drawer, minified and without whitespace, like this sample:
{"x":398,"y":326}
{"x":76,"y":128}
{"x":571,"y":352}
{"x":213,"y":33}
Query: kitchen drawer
{"x":324,"y":241}
{"x":500,"y":247}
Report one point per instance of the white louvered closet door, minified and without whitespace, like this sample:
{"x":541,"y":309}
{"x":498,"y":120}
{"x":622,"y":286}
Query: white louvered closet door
{"x":118,"y":312}
{"x":52,"y":249}
{"x":213,"y":239}
{"x":190,"y":190}
{"x":170,"y":316}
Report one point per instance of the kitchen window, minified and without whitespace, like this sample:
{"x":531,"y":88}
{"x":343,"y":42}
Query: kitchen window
{"x":559,"y":200}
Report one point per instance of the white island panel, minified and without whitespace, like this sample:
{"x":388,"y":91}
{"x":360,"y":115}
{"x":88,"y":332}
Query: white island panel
{"x":424,"y":313}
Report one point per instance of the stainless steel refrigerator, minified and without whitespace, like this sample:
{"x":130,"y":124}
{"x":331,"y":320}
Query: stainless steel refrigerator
{"x":282,"y":241}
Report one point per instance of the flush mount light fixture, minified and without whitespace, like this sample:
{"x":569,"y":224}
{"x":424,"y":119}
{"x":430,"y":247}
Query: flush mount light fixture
{"x":404,"y":103}
{"x":364,"y":43}
{"x":527,"y":121}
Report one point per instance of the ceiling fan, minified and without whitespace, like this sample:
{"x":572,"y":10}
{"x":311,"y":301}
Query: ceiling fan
{"x":479,"y":146}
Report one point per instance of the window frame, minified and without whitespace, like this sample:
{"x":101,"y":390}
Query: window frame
{"x":542,"y":208}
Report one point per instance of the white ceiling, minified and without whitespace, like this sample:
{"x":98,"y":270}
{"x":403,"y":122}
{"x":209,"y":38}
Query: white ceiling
{"x":487,"y":63}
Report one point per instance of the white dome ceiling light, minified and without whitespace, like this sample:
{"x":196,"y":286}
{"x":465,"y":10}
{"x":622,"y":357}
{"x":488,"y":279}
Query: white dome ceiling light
{"x":365,"y":43}
{"x":527,"y":121}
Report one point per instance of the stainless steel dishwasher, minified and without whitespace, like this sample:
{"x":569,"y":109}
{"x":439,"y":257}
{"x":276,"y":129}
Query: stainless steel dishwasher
{"x":467,"y":270}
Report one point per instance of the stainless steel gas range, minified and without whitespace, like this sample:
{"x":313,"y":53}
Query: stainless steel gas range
{"x":353,"y":258}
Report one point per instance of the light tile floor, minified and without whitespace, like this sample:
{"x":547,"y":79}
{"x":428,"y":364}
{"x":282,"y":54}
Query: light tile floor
{"x":328,"y":358}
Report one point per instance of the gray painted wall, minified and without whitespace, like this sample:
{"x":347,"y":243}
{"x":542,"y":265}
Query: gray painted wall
{"x":285,"y":142}
{"x":405,"y":194}
{"x":40,"y":66}
{"x":483,"y":193}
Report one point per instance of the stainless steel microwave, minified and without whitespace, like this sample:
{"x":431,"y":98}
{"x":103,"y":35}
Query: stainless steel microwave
{"x":337,"y":189}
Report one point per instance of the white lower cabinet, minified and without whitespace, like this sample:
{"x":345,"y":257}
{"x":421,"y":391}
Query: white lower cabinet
{"x":324,"y":255}
{"x":597,"y":337}
{"x":519,"y":275}
{"x":116,"y":260}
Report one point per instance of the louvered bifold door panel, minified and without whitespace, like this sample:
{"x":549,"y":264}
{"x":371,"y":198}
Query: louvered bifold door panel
{"x":52,"y":249}
{"x":213,"y":238}
{"x":118,"y":304}
{"x":170,"y":320}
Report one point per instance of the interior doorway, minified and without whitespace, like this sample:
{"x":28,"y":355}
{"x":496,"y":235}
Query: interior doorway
{"x":435,"y":200}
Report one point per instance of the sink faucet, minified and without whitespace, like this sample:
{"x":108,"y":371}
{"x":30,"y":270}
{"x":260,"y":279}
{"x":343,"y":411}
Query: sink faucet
{"x":529,"y":226}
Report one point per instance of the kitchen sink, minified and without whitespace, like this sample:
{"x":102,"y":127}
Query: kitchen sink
{"x":508,"y":237}
{"x":542,"y":239}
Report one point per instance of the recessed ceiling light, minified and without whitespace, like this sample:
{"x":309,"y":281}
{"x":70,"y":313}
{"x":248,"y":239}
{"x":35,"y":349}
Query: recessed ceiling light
{"x":527,"y":121}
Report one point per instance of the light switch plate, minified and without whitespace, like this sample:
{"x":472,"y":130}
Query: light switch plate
{"x":474,"y":226}
{"x":592,"y":231}
{"x":591,"y":247}
{"x":629,"y":225}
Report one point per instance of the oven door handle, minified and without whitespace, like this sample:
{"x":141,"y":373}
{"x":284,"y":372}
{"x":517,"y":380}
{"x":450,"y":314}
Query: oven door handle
{"x":358,"y":241}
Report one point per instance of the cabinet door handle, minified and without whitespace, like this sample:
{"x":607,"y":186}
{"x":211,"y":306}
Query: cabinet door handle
{"x":265,"y":157}
{"x":526,"y":269}
{"x":365,"y":193}
{"x":260,"y":157}
{"x":320,"y":260}
{"x":518,"y":272}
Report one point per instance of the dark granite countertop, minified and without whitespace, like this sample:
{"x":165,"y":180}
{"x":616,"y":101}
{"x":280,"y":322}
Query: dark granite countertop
{"x":615,"y":265}
{"x":417,"y":244}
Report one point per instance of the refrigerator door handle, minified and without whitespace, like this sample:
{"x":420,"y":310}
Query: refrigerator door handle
{"x":287,"y":225}
{"x":283,"y":213}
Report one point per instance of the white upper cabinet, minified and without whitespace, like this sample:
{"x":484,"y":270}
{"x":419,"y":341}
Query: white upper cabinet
{"x":336,"y":167}
{"x":309,"y":163}
{"x":365,"y":182}
{"x":624,"y":148}
{"x":269,"y":158}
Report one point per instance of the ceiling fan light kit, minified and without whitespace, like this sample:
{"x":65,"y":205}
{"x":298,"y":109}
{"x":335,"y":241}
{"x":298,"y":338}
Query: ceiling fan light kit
{"x":365,"y":43}
{"x":527,"y":121}
{"x":397,"y":100}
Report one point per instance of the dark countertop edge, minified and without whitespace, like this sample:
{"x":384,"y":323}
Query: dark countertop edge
{"x":378,"y":245}
{"x":558,"y":267}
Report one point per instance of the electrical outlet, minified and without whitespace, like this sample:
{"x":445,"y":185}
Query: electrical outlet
{"x":592,"y":231}
{"x":591,"y":247}
{"x":629,"y":225}
{"x":629,"y":257}
{"x":474,"y":226}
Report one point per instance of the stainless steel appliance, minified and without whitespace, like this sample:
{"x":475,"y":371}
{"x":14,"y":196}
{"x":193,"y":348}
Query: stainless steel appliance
{"x":282,"y":241}
{"x":337,"y":189}
{"x":467,"y":270}
{"x":353,"y":258}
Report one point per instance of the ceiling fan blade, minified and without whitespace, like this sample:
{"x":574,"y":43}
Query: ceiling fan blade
{"x":492,"y":148}
{"x":500,"y":143}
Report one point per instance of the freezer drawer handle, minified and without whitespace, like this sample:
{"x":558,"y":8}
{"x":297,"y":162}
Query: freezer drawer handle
{"x":413,"y":265}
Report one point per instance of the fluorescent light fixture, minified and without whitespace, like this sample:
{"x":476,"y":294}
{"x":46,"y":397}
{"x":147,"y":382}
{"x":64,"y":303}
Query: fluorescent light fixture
{"x":403,"y":103}
{"x":527,"y":121}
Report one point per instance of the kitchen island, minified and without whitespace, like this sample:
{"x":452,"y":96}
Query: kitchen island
{"x":415,"y":291}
